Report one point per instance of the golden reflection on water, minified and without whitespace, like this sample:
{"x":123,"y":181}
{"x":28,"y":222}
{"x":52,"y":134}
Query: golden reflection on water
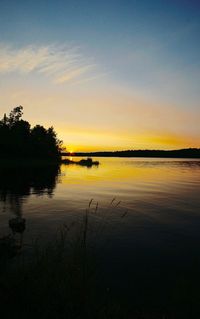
{"x":131,"y":170}
{"x":161,"y":182}
{"x":162,"y":190}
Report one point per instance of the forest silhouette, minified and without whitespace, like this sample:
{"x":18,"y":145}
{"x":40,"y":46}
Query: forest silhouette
{"x":18,"y":139}
{"x":181,"y":153}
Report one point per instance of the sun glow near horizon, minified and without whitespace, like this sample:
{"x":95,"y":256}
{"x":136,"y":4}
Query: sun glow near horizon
{"x":131,"y":81}
{"x":165,"y":142}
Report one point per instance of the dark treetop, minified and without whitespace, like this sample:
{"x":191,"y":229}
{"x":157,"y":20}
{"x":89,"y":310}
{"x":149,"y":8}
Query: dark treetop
{"x":18,"y":139}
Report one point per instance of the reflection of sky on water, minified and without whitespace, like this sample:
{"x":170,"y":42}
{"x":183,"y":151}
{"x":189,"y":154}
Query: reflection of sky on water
{"x":149,"y":238}
{"x":153,"y":191}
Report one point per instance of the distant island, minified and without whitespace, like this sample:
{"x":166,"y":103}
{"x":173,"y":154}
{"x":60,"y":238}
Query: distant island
{"x":182,"y":153}
{"x":83,"y":162}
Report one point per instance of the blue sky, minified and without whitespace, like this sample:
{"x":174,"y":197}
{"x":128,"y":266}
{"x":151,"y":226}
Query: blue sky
{"x":129,"y":70}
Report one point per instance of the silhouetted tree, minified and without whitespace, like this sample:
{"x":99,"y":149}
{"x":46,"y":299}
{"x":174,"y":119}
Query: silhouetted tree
{"x":15,"y":115}
{"x":18,"y":139}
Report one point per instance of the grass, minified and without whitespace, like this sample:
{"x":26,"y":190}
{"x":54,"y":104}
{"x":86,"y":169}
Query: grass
{"x":62,"y":279}
{"x":57,"y":280}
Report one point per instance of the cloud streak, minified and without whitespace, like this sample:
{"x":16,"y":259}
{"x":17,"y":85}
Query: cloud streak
{"x":60,"y":64}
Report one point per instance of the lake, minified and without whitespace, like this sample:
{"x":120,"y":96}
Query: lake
{"x":147,"y":210}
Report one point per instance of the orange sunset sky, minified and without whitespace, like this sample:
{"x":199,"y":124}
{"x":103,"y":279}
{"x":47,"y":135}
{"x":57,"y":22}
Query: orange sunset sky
{"x":107,"y":76}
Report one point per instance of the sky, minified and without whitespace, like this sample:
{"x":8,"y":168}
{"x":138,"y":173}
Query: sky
{"x":108,"y":75}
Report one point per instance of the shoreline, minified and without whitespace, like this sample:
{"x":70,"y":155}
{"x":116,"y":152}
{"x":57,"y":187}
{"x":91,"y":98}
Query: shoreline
{"x":182,"y":153}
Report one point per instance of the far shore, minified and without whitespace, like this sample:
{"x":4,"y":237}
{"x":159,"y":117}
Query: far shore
{"x":182,"y":153}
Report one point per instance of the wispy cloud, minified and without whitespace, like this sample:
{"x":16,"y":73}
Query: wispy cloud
{"x":73,"y":73}
{"x":59,"y":63}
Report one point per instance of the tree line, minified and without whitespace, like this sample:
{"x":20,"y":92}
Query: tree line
{"x":181,"y":153}
{"x":18,"y":139}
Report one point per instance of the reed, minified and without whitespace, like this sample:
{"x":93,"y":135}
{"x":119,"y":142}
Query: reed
{"x":62,"y":279}
{"x":56,"y":280}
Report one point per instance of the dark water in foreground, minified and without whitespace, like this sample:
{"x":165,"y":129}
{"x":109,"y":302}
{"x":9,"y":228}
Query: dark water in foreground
{"x":149,"y":210}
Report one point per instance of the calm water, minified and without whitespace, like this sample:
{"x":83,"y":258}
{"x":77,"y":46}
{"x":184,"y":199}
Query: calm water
{"x":154,"y":193}
{"x":151,"y":208}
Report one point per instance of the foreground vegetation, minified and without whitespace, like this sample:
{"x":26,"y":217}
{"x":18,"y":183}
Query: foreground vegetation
{"x":64,"y":279}
{"x":54,"y":280}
